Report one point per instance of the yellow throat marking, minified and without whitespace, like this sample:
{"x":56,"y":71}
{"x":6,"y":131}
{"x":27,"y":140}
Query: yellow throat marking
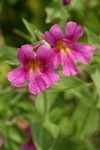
{"x":62,"y":47}
{"x":34,"y":65}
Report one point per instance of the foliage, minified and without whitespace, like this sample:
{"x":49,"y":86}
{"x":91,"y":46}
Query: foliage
{"x":66,"y":116}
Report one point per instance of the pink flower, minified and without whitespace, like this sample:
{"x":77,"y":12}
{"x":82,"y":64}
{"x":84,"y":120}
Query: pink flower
{"x":66,"y":48}
{"x":27,"y":131}
{"x":37,"y":69}
{"x":66,"y":2}
{"x":1,"y":142}
{"x":29,"y":145}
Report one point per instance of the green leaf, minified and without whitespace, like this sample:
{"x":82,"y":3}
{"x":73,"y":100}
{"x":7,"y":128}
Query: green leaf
{"x":57,"y":106}
{"x":4,"y":69}
{"x":84,"y":95}
{"x":92,"y":37}
{"x":13,"y":62}
{"x":85,"y":145}
{"x":79,"y":5}
{"x":63,"y":143}
{"x":9,"y":54}
{"x":33,"y":30}
{"x":66,"y":83}
{"x":43,"y":137}
{"x":39,"y":103}
{"x":52,"y":128}
{"x":90,"y":124}
{"x":96,"y":78}
{"x":53,"y":14}
{"x":92,"y":19}
{"x":85,"y":121}
{"x":65,"y":125}
{"x":23,"y":35}
{"x":67,"y":143}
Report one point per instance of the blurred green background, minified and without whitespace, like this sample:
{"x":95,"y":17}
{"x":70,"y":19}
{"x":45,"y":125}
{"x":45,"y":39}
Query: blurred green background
{"x":73,"y":104}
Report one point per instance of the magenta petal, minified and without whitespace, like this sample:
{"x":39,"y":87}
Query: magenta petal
{"x":73,"y":31}
{"x":83,"y":52}
{"x":25,"y":54}
{"x":41,"y":83}
{"x":48,"y":56}
{"x":49,"y":38}
{"x":43,"y":53}
{"x":27,"y":131}
{"x":69,"y":65}
{"x":55,"y":59}
{"x":53,"y":76}
{"x":37,"y":83}
{"x":28,"y":146}
{"x":33,"y":86}
{"x":47,"y":80}
{"x":18,"y":76}
{"x":56,"y":32}
{"x":25,"y":147}
{"x":66,"y":2}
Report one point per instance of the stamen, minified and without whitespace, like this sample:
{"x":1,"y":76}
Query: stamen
{"x":62,"y":47}
{"x":34,"y":65}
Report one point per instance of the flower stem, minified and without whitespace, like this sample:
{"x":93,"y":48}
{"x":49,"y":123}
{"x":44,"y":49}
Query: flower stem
{"x":45,"y":106}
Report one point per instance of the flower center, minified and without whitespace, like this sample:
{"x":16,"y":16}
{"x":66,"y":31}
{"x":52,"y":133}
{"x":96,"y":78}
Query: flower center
{"x":34,"y":65}
{"x":62,"y":47}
